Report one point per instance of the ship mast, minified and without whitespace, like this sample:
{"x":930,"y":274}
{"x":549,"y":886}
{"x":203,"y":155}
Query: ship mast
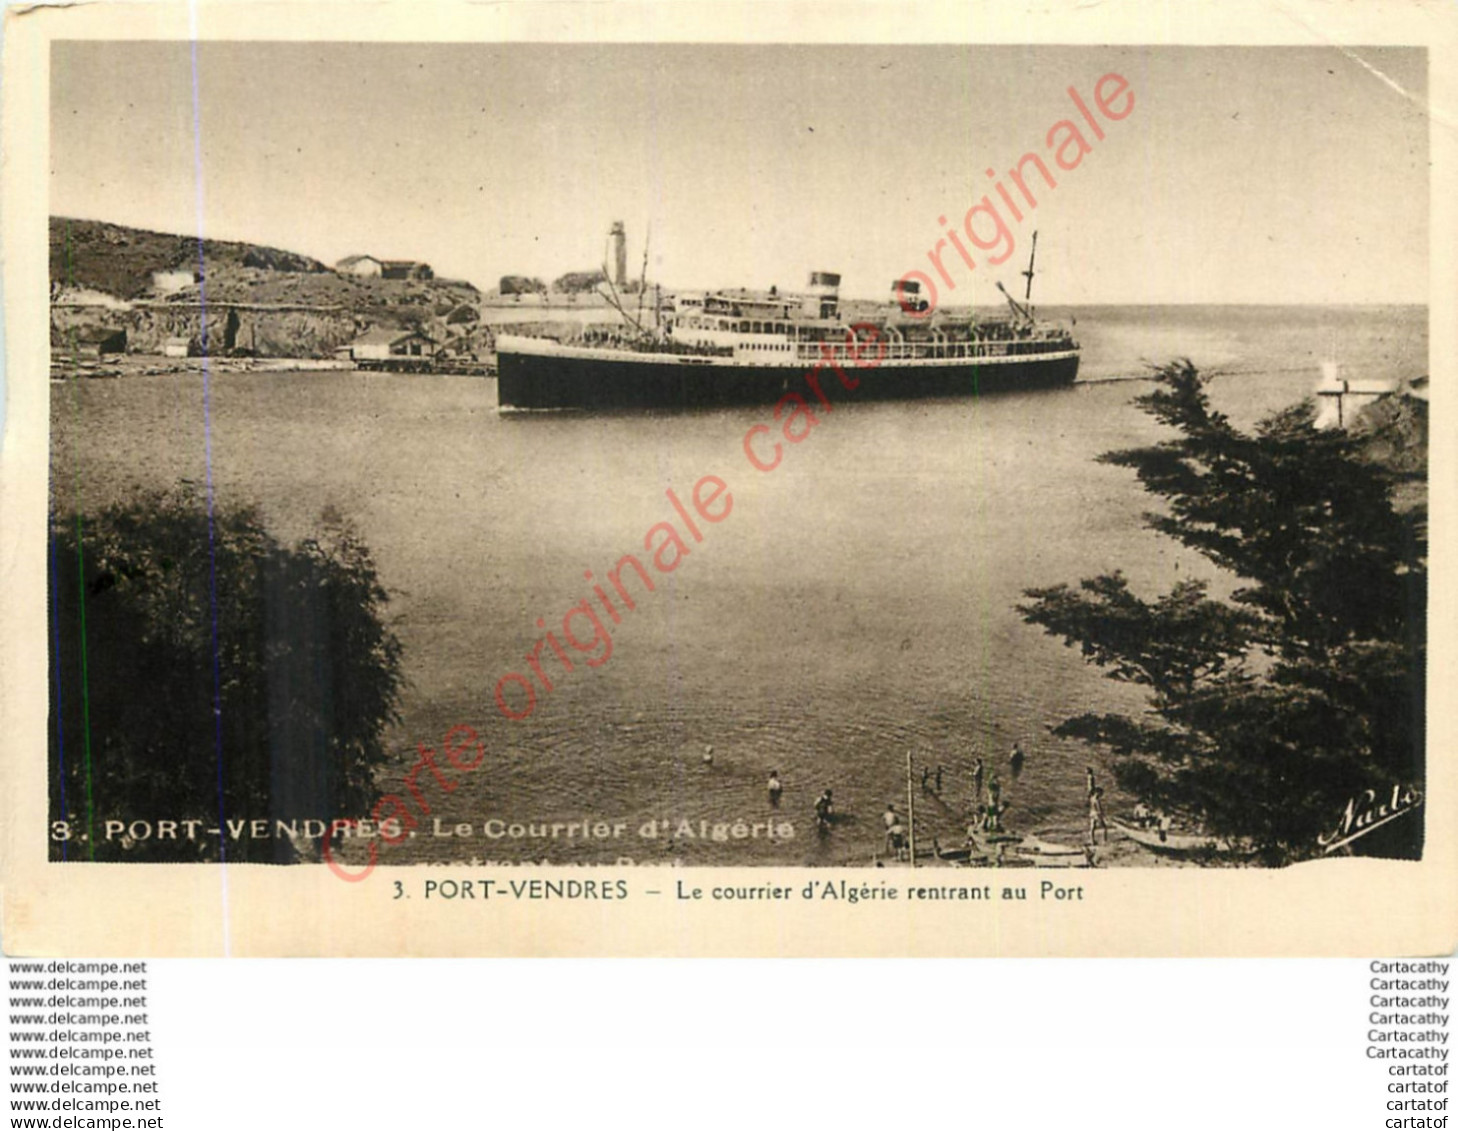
{"x":1024,"y":310}
{"x":1028,"y":274}
{"x":643,"y":275}
{"x":615,"y":300}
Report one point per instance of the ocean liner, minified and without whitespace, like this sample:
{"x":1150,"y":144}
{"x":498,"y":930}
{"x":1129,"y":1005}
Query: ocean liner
{"x":751,"y":347}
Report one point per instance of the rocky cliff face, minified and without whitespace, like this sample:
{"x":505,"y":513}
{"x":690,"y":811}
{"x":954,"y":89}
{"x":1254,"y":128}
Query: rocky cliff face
{"x":1396,"y":431}
{"x":1395,"y":434}
{"x":285,"y":333}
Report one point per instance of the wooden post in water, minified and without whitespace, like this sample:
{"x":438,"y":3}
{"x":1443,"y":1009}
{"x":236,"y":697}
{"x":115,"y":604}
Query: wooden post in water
{"x":910,"y":812}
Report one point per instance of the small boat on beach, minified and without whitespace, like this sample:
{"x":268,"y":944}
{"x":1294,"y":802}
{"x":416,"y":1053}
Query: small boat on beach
{"x":1047,"y":854}
{"x":1014,"y":850}
{"x":963,"y":855}
{"x":1172,"y":843}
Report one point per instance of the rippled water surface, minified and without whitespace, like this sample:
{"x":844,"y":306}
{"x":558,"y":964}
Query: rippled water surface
{"x":856,"y":603}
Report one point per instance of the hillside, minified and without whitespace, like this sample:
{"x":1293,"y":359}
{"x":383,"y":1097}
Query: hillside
{"x":93,"y":255}
{"x":260,"y":300}
{"x":1395,"y":434}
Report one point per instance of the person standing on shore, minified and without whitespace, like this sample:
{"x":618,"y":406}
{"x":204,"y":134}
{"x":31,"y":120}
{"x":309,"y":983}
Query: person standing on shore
{"x":993,"y":823}
{"x":1090,"y":783}
{"x":824,"y":810}
{"x":895,"y":832}
{"x":1096,"y":815}
{"x":775,"y":789}
{"x":1015,"y":761}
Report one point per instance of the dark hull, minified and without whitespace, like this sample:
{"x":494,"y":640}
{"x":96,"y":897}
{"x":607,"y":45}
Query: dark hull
{"x":533,"y":381}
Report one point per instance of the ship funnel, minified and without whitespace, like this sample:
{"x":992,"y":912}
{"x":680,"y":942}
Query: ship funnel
{"x":906,"y":293}
{"x":825,"y":293}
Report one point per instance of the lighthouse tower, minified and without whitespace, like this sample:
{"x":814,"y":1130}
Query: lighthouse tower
{"x":619,"y":237}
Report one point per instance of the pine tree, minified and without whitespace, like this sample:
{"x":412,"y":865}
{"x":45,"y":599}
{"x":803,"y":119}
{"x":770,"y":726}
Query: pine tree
{"x":205,"y":671}
{"x":1270,"y":711}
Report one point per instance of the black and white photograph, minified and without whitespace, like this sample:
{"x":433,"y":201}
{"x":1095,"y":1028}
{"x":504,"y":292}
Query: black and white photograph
{"x":871,"y":456}
{"x":835,"y":503}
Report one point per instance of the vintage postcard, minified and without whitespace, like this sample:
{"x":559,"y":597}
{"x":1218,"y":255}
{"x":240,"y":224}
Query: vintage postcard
{"x":728,"y":479}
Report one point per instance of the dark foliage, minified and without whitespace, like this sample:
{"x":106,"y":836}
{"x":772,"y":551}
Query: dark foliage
{"x":1267,"y":713}
{"x":579,"y":282}
{"x":282,"y":720}
{"x":120,"y":260}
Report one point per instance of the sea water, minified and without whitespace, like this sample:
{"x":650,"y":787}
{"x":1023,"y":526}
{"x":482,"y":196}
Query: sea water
{"x":855,"y":606}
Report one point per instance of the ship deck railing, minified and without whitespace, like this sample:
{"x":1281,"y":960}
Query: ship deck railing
{"x":811,"y":352}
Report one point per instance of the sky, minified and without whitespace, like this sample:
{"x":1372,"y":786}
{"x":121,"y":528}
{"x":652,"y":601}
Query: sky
{"x":1247,"y":174}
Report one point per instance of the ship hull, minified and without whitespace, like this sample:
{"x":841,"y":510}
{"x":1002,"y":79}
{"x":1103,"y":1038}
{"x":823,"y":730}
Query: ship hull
{"x":531,"y":380}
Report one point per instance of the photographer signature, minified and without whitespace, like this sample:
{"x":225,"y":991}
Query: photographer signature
{"x":1365,"y":812}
